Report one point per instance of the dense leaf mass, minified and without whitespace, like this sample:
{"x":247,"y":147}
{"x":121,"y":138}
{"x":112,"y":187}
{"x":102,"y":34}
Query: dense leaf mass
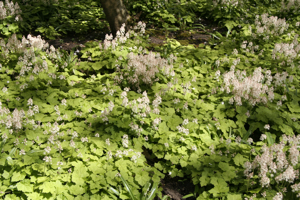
{"x":110,"y":119}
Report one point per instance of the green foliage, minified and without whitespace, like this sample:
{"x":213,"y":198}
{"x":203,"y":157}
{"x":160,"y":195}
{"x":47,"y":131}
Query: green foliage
{"x":8,"y":26}
{"x":149,"y":191}
{"x":67,"y":130}
{"x":180,"y":15}
{"x":53,"y":18}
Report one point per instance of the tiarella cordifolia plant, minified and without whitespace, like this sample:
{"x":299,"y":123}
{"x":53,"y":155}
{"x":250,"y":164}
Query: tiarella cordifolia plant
{"x":216,"y":9}
{"x":46,"y":138}
{"x":69,"y":134}
{"x":31,"y":61}
{"x":52,"y":18}
{"x":118,"y":49}
{"x":277,"y":166}
{"x":9,"y":17}
{"x":269,"y":26}
{"x":166,"y":13}
{"x":287,"y":6}
{"x":9,"y":9}
{"x":266,"y":87}
{"x":149,"y":191}
{"x":142,"y":69}
{"x":253,"y":89}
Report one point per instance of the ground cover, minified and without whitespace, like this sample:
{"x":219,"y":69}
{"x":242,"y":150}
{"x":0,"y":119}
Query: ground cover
{"x":203,"y":102}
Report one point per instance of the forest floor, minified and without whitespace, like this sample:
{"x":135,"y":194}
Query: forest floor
{"x":176,"y":187}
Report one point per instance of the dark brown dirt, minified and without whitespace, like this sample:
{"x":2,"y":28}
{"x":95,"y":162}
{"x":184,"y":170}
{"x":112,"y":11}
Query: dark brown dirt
{"x":176,"y":188}
{"x":157,"y":37}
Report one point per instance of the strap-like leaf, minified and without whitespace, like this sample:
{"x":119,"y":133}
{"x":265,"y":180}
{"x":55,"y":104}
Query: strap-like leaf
{"x":246,"y":136}
{"x":12,"y":152}
{"x":35,"y":151}
{"x":147,"y":188}
{"x":10,"y":160}
{"x":114,"y":191}
{"x":269,"y":138}
{"x":2,"y":144}
{"x":153,"y":191}
{"x":127,"y":187}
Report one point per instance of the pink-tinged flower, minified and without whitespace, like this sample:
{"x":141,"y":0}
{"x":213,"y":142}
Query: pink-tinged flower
{"x":185,"y":106}
{"x":125,"y":141}
{"x":48,"y":159}
{"x":72,"y":144}
{"x":267,"y":126}
{"x":289,"y":175}
{"x":265,"y":181}
{"x":185,"y":122}
{"x":294,"y":155}
{"x":263,"y":137}
{"x":47,"y":150}
{"x":248,"y":113}
{"x":278,"y":196}
{"x":238,"y":139}
{"x":84,"y":139}
{"x":22,"y":152}
{"x":295,"y":187}
{"x":30,"y":102}
{"x":281,"y":160}
{"x":64,"y":102}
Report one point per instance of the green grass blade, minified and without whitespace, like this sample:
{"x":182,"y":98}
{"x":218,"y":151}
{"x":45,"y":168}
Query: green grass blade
{"x":269,"y":138}
{"x":246,"y":136}
{"x":12,"y":152}
{"x":153,"y":192}
{"x":33,"y":151}
{"x":114,"y":191}
{"x":146,"y":188}
{"x":10,"y":161}
{"x":2,"y":144}
{"x":127,"y":188}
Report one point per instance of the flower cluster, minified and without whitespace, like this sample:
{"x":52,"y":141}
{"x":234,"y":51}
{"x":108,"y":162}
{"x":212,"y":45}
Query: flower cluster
{"x":10,"y":9}
{"x":252,"y":88}
{"x":274,"y":163}
{"x":125,"y":141}
{"x":141,"y":108}
{"x":14,"y":45}
{"x":121,"y":36}
{"x":269,"y":26}
{"x":248,"y":47}
{"x":130,"y":153}
{"x":15,"y":120}
{"x":142,"y":69}
{"x":109,"y":109}
{"x":288,"y":52}
{"x":223,"y":4}
{"x":29,"y":61}
{"x":291,"y":5}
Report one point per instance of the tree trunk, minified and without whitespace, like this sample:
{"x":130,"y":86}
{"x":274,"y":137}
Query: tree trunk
{"x":116,"y":14}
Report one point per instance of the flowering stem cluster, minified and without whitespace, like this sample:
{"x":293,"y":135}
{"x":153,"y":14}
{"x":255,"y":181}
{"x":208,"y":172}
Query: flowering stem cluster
{"x":277,"y":165}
